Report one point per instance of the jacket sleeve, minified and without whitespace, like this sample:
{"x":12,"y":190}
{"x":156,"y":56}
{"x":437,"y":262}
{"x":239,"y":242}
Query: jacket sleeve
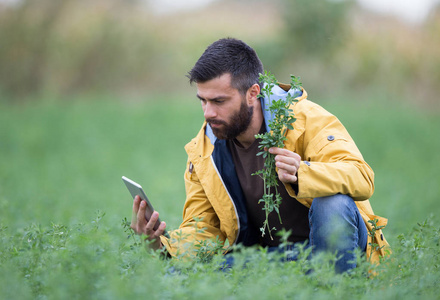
{"x":200,"y":222}
{"x":331,"y":162}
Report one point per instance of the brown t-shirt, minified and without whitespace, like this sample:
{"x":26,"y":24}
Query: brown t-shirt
{"x":294,"y":215}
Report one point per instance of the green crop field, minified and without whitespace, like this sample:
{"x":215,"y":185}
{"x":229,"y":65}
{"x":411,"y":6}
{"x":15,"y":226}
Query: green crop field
{"x":62,"y":205}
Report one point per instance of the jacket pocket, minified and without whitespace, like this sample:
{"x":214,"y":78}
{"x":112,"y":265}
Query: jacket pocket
{"x":327,"y":140}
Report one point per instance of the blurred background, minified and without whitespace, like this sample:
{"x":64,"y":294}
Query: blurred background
{"x":91,"y":90}
{"x":135,"y":47}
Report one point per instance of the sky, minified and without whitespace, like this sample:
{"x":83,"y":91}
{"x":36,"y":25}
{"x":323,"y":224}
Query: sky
{"x":411,"y":11}
{"x":169,"y":6}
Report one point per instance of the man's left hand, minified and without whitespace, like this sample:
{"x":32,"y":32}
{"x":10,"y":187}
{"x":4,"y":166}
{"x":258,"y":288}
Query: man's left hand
{"x":287,"y":163}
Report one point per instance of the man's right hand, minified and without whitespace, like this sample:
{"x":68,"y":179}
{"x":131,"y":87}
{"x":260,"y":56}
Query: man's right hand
{"x":145,"y":227}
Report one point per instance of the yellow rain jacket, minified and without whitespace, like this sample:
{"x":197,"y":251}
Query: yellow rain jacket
{"x":331,"y":164}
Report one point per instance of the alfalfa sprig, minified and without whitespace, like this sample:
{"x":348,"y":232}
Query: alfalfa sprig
{"x":281,"y":121}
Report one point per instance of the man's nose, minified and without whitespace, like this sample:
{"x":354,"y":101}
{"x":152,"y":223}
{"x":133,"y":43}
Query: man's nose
{"x":209,"y":110}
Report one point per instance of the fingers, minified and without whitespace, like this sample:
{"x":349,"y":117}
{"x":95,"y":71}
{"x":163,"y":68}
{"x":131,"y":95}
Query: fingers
{"x":288,"y":163}
{"x":287,"y":177}
{"x":143,"y":226}
{"x":153,"y":235}
{"x":154,"y":239}
{"x":146,"y":227}
{"x":284,"y":152}
{"x":136,"y":204}
{"x":141,"y":221}
{"x":149,"y":228}
{"x":150,"y":232}
{"x":138,"y":221}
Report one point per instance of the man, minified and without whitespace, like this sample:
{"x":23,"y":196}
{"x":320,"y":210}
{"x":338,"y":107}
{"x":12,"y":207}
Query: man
{"x":324,"y":182}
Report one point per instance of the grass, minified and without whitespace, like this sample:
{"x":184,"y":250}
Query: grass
{"x":65,"y":161}
{"x":62,"y":203}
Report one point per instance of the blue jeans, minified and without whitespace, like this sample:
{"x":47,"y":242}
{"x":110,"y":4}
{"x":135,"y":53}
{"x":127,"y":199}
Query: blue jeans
{"x":335,"y":226}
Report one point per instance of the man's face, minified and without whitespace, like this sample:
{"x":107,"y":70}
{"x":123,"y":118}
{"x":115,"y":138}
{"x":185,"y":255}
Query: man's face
{"x":224,"y":108}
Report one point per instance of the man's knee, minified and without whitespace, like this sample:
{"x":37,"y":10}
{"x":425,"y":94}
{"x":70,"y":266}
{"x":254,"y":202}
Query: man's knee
{"x":336,"y":225}
{"x":336,"y":204}
{"x":333,"y":217}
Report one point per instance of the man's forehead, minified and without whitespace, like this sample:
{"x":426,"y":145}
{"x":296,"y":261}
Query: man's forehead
{"x":224,"y":79}
{"x":216,"y":86}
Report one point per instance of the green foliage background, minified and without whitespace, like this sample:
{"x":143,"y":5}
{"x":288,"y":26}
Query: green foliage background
{"x":93,"y":90}
{"x":62,"y":204}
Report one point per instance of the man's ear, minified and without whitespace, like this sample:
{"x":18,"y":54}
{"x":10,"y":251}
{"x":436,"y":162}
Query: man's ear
{"x":252,"y":94}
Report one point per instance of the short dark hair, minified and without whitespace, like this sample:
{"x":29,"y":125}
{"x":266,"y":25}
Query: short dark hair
{"x":231,"y":56}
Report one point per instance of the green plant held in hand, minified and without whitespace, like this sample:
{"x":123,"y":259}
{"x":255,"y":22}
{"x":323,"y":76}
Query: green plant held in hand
{"x":282,"y":121}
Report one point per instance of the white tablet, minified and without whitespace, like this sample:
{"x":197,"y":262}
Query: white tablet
{"x":136,"y":189}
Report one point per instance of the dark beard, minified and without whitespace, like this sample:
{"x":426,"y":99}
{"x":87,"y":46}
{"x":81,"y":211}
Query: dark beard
{"x":239,"y":122}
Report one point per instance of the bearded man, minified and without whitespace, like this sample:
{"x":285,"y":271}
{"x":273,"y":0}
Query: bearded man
{"x":323,"y":179}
